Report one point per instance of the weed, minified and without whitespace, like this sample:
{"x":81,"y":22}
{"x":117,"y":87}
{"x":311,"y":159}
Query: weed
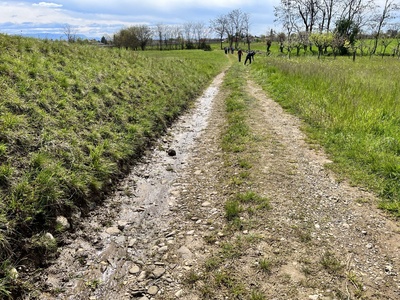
{"x":256,"y":295}
{"x":358,"y":286}
{"x":331,"y":263}
{"x":212,"y":263}
{"x":265,"y":265}
{"x":93,"y":284}
{"x":192,"y":277}
{"x":232,"y":209}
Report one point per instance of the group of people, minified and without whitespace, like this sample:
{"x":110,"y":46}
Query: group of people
{"x":249,"y":56}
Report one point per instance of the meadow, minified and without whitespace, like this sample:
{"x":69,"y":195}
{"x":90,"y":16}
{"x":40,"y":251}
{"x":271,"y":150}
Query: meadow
{"x":350,"y":108}
{"x":73,"y":120}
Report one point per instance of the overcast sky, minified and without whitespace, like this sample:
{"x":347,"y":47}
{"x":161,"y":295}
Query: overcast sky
{"x":95,"y":18}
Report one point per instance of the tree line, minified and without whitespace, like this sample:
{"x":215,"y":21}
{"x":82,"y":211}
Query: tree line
{"x":191,"y":35}
{"x":337,"y":24}
{"x":233,"y":27}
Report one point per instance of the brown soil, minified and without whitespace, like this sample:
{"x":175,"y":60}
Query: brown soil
{"x":321,"y":238}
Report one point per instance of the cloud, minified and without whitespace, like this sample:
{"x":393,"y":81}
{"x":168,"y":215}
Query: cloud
{"x":47,"y":4}
{"x":98,"y":17}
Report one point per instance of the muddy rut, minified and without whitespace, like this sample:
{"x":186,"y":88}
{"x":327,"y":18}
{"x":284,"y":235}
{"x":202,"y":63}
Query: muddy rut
{"x":324,"y":238}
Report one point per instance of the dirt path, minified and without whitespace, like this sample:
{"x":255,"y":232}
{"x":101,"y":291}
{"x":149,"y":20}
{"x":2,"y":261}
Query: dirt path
{"x":164,"y":235}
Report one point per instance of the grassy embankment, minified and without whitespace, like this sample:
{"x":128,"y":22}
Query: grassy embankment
{"x":73,"y":118}
{"x":350,"y":108}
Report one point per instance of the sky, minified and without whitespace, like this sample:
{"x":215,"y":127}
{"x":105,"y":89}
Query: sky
{"x":97,"y":18}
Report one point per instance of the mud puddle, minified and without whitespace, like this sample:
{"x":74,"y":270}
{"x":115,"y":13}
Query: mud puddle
{"x":118,"y":251}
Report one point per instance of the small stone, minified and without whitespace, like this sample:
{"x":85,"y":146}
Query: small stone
{"x":142,"y":276}
{"x":171,"y":152}
{"x":134,"y":270}
{"x":369,"y":246}
{"x":185,"y":252}
{"x":122,"y":225}
{"x":13,"y":273}
{"x":49,"y":236}
{"x":191,"y":232}
{"x":388,"y":269}
{"x":113,"y":230}
{"x":158,"y":272}
{"x":179,"y":293}
{"x":206,"y":204}
{"x":345,"y":225}
{"x":162,"y":249}
{"x":62,"y":223}
{"x":153,"y":290}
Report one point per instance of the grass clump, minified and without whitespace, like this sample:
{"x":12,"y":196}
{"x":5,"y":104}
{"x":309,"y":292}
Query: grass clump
{"x":331,"y":263}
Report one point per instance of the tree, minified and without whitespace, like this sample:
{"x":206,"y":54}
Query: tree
{"x":219,"y":26}
{"x":327,"y":10}
{"x":322,"y":41}
{"x":286,"y":14}
{"x":143,"y":34}
{"x":388,"y":11}
{"x":69,"y":33}
{"x":199,"y":32}
{"x":237,"y":19}
{"x":160,"y":29}
{"x":346,"y":31}
{"x":246,"y":29}
{"x":308,"y":11}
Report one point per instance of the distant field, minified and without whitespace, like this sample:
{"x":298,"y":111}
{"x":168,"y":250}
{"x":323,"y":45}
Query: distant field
{"x":73,"y":118}
{"x":351,"y":108}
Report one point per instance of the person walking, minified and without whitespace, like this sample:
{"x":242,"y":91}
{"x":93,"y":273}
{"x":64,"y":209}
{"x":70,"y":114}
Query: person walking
{"x":240,"y":53}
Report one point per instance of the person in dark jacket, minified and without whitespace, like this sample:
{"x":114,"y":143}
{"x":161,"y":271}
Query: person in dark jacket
{"x":240,"y":53}
{"x":249,"y":57}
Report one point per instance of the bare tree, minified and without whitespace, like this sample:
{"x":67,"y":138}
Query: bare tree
{"x":69,"y":33}
{"x":199,"y":32}
{"x":356,"y":11}
{"x":236,"y":19}
{"x":188,"y":32}
{"x":308,"y":11}
{"x":286,"y":14}
{"x":160,"y":30}
{"x":390,"y":7}
{"x":246,"y":28}
{"x":219,"y":26}
{"x":327,"y":9}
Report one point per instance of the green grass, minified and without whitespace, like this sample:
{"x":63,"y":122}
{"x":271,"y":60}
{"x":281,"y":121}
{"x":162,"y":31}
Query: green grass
{"x":351,"y":108}
{"x":73,"y":119}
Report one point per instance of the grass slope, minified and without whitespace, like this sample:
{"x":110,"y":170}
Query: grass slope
{"x":73,"y":118}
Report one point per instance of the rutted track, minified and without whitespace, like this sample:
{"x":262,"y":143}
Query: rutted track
{"x":115,"y":254}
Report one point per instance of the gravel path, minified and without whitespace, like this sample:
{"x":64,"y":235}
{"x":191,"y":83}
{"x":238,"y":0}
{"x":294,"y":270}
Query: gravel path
{"x":324,"y":239}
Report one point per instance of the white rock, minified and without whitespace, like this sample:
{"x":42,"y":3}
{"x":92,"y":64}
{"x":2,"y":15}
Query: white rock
{"x":134,"y":270}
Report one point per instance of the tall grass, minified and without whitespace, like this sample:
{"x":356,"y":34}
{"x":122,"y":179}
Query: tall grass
{"x":73,"y":118}
{"x":351,"y":108}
